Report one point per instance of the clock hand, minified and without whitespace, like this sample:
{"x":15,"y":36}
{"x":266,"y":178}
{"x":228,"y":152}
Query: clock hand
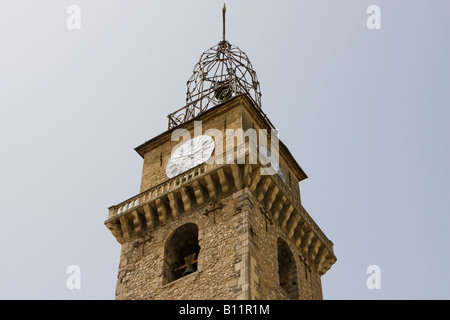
{"x":201,"y":149}
{"x":180,"y":157}
{"x":186,"y":158}
{"x":182,"y":164}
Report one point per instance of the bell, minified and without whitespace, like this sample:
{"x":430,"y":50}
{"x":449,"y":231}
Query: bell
{"x":189,"y":266}
{"x":222,"y":91}
{"x":189,"y":270}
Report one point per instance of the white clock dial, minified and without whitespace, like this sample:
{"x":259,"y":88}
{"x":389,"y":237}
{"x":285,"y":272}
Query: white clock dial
{"x":189,"y":155}
{"x":264,"y":152}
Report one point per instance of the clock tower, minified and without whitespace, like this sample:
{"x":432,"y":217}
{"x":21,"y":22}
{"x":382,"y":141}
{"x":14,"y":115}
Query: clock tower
{"x":219,"y":213}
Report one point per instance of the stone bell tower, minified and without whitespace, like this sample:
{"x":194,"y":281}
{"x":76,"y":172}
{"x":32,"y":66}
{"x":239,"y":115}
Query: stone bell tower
{"x":219,"y":214}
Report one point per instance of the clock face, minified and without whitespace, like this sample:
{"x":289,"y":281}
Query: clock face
{"x":264,"y":152}
{"x":189,"y":155}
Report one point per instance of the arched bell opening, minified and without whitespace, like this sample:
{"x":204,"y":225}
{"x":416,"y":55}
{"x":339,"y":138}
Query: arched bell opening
{"x":287,"y":270}
{"x":181,"y":253}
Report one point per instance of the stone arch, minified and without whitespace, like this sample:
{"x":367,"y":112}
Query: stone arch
{"x":287,"y":270}
{"x":181,"y":250}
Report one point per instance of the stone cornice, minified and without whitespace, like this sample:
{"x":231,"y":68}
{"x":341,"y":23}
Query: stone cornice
{"x":189,"y":192}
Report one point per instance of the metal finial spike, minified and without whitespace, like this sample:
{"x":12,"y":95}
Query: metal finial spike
{"x":224,"y":10}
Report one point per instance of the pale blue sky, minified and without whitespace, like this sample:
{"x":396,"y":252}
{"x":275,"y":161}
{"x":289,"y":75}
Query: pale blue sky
{"x":364,"y":112}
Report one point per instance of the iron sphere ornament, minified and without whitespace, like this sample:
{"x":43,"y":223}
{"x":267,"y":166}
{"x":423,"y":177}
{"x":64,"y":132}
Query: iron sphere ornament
{"x":222,"y":72}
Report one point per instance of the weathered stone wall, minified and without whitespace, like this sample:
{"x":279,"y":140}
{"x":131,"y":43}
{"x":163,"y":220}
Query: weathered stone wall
{"x":219,"y":274}
{"x":237,"y":259}
{"x":263,"y":256}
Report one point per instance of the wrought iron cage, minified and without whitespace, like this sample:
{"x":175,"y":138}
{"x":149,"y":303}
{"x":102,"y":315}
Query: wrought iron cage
{"x":222,"y":72}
